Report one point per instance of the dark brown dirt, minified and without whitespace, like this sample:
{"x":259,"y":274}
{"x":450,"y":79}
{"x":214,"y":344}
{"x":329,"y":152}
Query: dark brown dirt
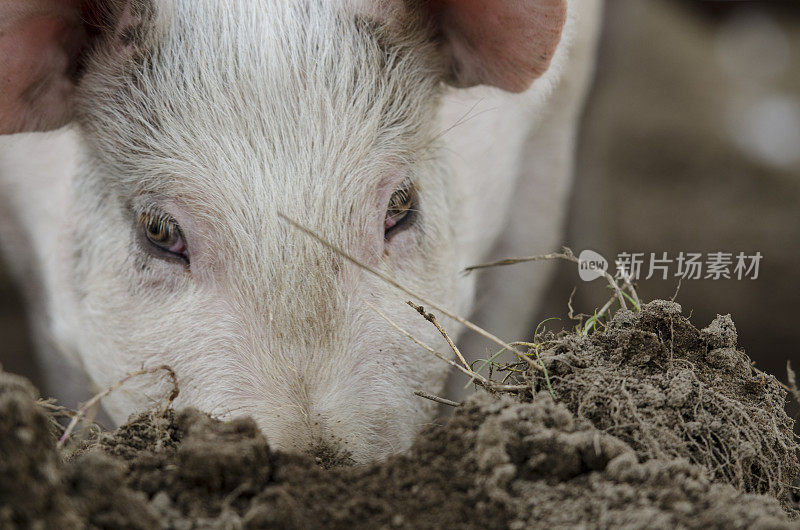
{"x":656,"y":425}
{"x":672,"y":391}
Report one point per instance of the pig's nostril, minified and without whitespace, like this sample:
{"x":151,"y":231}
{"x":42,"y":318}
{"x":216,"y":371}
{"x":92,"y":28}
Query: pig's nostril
{"x":330,"y":454}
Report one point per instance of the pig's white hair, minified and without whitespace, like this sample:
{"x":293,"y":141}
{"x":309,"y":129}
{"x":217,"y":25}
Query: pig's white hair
{"x":226,"y":112}
{"x":233,"y":111}
{"x":308,"y":67}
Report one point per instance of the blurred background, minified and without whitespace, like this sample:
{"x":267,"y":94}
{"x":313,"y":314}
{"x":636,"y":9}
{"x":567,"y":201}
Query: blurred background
{"x":690,"y":142}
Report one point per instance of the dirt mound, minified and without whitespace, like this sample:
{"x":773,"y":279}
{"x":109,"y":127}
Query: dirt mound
{"x":30,"y":469}
{"x":672,"y":391}
{"x":551,"y":469}
{"x":618,"y":448}
{"x":186,"y":470}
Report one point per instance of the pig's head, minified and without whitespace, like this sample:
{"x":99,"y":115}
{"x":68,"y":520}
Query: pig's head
{"x":200,"y":121}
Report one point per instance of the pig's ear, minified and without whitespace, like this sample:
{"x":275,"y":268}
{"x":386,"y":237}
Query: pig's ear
{"x":505,"y":43}
{"x":42,"y":47}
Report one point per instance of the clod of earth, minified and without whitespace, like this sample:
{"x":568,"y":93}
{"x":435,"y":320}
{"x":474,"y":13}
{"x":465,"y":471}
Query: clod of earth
{"x":656,"y":424}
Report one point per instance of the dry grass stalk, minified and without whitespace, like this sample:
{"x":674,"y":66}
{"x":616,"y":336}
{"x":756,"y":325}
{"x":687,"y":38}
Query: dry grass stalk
{"x":81,"y":413}
{"x":463,"y":321}
{"x":474,"y":376}
{"x":437,"y":399}
{"x":432,"y":319}
{"x":567,"y":255}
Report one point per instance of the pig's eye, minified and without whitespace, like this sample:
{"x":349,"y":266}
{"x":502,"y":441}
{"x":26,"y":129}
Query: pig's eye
{"x":401,"y":211}
{"x":164,"y":234}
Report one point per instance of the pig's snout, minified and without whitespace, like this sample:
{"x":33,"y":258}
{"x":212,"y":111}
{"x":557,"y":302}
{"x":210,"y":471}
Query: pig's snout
{"x":310,"y":433}
{"x":333,"y":440}
{"x":330,"y":454}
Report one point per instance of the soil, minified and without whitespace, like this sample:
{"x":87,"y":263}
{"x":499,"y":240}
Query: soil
{"x":655,"y":424}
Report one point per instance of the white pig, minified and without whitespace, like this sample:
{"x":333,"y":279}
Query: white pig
{"x":416,"y":135}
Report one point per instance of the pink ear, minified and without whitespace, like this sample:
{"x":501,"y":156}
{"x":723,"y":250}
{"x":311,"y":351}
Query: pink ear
{"x":505,"y":43}
{"x":41,"y":45}
{"x":38,"y":43}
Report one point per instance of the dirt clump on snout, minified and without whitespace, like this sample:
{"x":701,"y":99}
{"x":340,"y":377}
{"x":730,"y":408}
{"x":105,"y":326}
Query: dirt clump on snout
{"x":655,"y":424}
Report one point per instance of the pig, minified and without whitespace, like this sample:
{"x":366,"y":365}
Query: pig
{"x":151,"y":148}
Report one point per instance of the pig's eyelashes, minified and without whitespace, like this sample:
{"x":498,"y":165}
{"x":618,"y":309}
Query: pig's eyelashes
{"x":401,"y":211}
{"x":164,"y":235}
